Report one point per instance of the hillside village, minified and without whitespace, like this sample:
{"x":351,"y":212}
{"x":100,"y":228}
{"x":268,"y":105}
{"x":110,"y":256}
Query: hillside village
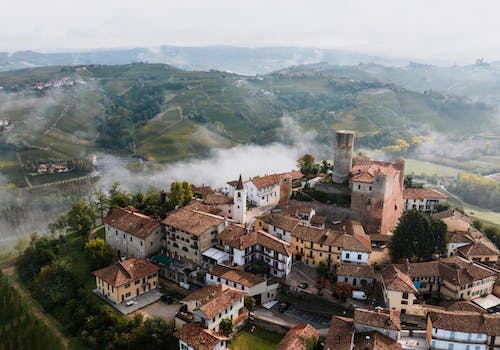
{"x":246,"y":255}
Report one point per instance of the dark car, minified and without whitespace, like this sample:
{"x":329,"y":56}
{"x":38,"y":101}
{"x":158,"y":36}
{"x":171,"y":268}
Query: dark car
{"x":167,"y":299}
{"x":303,"y":285}
{"x":282,"y":307}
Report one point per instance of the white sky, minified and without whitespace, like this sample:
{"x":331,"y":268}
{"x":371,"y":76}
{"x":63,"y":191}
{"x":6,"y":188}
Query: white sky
{"x":430,"y":29}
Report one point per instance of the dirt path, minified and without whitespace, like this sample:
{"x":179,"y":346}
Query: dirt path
{"x":34,"y":309}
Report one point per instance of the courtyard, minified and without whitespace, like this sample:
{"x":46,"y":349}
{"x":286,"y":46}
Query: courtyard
{"x":259,"y":339}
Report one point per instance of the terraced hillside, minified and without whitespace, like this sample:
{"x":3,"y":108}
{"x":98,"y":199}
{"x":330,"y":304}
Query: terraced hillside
{"x":162,"y":113}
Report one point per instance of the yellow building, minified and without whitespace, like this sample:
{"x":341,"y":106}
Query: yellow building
{"x":126,"y":279}
{"x":481,"y":250}
{"x":313,"y":245}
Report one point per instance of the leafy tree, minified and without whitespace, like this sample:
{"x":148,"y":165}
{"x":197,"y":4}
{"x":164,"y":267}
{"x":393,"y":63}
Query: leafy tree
{"x":306,"y":164}
{"x":250,"y":303}
{"x":325,"y":166}
{"x":176,"y":194}
{"x":322,"y":269}
{"x":117,"y":197}
{"x":408,"y":182}
{"x":321,"y":283}
{"x":187,"y":193}
{"x":418,"y":235}
{"x":40,"y":252}
{"x":101,"y":203}
{"x":80,"y":218}
{"x":159,"y":334}
{"x":98,"y":253}
{"x":226,"y":325}
{"x":342,"y":290}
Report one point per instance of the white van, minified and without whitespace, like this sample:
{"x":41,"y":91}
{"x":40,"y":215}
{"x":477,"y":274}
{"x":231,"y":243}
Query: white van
{"x":359,"y":295}
{"x":185,"y":285}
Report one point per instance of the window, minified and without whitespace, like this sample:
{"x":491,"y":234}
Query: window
{"x":359,"y":256}
{"x":137,"y":281}
{"x":347,"y":255}
{"x":127,"y":285}
{"x":405,"y":295}
{"x":359,"y":187}
{"x":141,"y":243}
{"x":130,"y":239}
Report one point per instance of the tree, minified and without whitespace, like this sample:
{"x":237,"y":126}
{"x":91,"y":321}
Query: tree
{"x":117,"y":197}
{"x":98,"y":253}
{"x":306,"y":164}
{"x":159,"y":334}
{"x":342,"y":290}
{"x":226,"y":325}
{"x":187,"y":193}
{"x":418,"y":235}
{"x":322,"y":269}
{"x":250,"y":303}
{"x":80,"y":218}
{"x":176,"y":194}
{"x":101,"y":203}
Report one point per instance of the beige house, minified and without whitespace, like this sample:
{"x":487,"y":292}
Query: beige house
{"x":132,"y":234}
{"x":426,"y":276}
{"x":209,"y":305}
{"x":455,"y":220}
{"x":255,"y":286}
{"x":482,"y":250}
{"x":190,"y":232}
{"x":400,"y":292}
{"x":126,"y":279}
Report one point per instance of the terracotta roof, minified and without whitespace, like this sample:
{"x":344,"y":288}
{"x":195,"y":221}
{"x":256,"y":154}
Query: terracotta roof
{"x":294,"y":175}
{"x":378,"y":318}
{"x":126,"y":271}
{"x":239,"y":276}
{"x":477,"y":248}
{"x":460,"y":237}
{"x":298,"y":337}
{"x":421,"y":269}
{"x":459,"y":271}
{"x":397,"y":281}
{"x":284,"y":222}
{"x":376,"y":237}
{"x":452,"y":213}
{"x":318,"y":220}
{"x":357,"y":243}
{"x":133,"y":223}
{"x":265,"y":181}
{"x":206,"y":293}
{"x":198,"y":338}
{"x":374,"y":341}
{"x":465,"y":306}
{"x":236,"y":237}
{"x":309,"y":233}
{"x":422,"y":193}
{"x":221,"y":302}
{"x":355,"y":270}
{"x":365,"y":171}
{"x":340,"y":334}
{"x":204,"y":190}
{"x":192,"y":221}
{"x":217,"y":198}
{"x":466,"y":321}
{"x":233,"y":183}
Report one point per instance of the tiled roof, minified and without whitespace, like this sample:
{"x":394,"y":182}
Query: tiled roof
{"x":355,"y":270}
{"x":126,"y":271}
{"x":239,"y":276}
{"x":422,"y":193}
{"x":464,"y":305}
{"x":397,"y":281}
{"x":459,"y":271}
{"x":197,"y":337}
{"x":206,"y":293}
{"x":294,"y":175}
{"x":376,"y":237}
{"x":318,"y":220}
{"x":477,"y":248}
{"x":421,"y":269}
{"x":309,"y":233}
{"x":192,"y":221}
{"x":221,"y":302}
{"x":267,"y":180}
{"x":284,"y":222}
{"x":466,"y":321}
{"x":298,"y":338}
{"x":340,"y":335}
{"x":132,"y":222}
{"x":269,"y":241}
{"x":460,"y":237}
{"x":235,"y":236}
{"x":204,"y":190}
{"x":232,"y":232}
{"x":451,"y":213}
{"x":374,"y":341}
{"x":357,"y":243}
{"x":233,"y":183}
{"x":378,"y":318}
{"x":365,"y":171}
{"x":217,"y":198}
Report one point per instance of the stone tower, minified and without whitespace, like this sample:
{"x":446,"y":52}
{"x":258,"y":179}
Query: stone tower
{"x":342,"y":158}
{"x":240,"y":202}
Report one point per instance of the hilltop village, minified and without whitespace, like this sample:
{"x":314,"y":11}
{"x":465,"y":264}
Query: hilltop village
{"x":247,"y":256}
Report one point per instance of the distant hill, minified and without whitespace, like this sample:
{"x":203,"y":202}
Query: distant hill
{"x":163,"y":113}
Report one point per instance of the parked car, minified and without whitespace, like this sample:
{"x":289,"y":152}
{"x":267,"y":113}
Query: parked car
{"x":167,"y":299}
{"x":359,"y":295}
{"x":282,"y":307}
{"x":185,"y":285}
{"x":130,"y":302}
{"x":303,"y":285}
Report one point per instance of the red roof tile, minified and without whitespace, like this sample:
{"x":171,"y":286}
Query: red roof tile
{"x":132,"y":222}
{"x":126,"y":271}
{"x":422,"y":193}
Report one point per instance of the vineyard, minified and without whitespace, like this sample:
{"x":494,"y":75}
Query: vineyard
{"x":18,"y":326}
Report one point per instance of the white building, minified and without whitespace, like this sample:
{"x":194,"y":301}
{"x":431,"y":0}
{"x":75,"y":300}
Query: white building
{"x":422,"y":199}
{"x":463,"y":330}
{"x":131,"y":234}
{"x":240,"y":203}
{"x":279,"y":225}
{"x":354,"y":251}
{"x":209,"y":305}
{"x":264,"y":190}
{"x":251,"y":284}
{"x":358,"y":276}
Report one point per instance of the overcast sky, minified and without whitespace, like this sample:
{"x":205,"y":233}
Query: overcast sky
{"x":429,"y":29}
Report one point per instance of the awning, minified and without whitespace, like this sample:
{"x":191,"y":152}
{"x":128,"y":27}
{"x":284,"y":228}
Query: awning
{"x":216,"y":254}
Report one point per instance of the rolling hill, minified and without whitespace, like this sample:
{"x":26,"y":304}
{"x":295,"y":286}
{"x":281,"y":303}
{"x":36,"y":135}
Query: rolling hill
{"x":163,"y":113}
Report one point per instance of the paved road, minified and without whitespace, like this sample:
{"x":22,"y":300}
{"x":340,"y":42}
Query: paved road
{"x":159,"y":308}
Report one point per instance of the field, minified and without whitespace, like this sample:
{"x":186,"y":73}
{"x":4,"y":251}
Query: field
{"x":260,"y":339}
{"x":418,"y":167}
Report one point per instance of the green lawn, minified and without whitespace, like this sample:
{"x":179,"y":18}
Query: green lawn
{"x":418,"y":167}
{"x":260,"y":339}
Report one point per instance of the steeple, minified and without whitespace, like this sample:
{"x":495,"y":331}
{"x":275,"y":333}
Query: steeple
{"x":240,"y":202}
{"x":239,"y":186}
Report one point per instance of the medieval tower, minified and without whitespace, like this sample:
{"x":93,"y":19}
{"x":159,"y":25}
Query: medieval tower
{"x":240,"y":202}
{"x":342,"y":158}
